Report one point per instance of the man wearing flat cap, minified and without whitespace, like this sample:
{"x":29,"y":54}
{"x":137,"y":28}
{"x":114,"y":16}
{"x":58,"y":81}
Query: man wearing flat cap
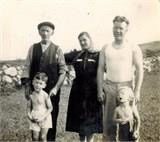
{"x":47,"y":57}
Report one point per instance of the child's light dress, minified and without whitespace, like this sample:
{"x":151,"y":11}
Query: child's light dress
{"x":39,"y":110}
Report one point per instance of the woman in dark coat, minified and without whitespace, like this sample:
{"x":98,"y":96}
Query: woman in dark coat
{"x":84,"y":114}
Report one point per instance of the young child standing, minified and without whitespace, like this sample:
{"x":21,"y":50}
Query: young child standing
{"x":39,"y":109}
{"x":126,"y":116}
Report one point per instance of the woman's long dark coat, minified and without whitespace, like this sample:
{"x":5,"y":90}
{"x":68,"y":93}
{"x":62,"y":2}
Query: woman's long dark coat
{"x":84,"y":111}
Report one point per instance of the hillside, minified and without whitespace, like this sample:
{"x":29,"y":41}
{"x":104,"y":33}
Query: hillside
{"x":12,"y":62}
{"x":148,"y":49}
{"x":151,"y":48}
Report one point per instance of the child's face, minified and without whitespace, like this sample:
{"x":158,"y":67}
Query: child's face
{"x":123,"y":95}
{"x":38,"y":85}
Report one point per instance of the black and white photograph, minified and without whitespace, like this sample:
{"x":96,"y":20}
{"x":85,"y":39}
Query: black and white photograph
{"x":79,"y":71}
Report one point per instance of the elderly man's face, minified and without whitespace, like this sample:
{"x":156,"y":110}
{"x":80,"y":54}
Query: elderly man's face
{"x":45,"y":32}
{"x":119,"y":30}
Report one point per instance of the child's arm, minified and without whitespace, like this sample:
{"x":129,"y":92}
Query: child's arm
{"x":29,"y":108}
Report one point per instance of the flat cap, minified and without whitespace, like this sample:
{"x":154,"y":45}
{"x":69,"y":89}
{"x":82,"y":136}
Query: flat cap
{"x":46,"y":23}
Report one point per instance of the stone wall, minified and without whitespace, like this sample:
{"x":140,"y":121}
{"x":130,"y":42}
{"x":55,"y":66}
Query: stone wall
{"x":11,"y":74}
{"x":151,"y":64}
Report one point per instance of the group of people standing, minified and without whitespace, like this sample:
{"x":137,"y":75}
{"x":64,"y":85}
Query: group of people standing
{"x":93,"y":98}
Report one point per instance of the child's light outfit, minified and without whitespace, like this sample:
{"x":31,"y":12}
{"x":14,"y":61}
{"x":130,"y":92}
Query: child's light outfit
{"x":125,"y":131}
{"x":39,"y":110}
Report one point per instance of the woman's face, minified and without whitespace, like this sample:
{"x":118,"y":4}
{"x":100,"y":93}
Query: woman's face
{"x":85,"y":42}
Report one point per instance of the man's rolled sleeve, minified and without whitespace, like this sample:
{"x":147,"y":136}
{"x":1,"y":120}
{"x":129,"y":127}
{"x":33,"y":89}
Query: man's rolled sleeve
{"x":61,"y":62}
{"x":26,"y":70}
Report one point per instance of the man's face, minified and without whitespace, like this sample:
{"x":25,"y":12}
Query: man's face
{"x":85,"y":42}
{"x":45,"y":32}
{"x":119,"y":30}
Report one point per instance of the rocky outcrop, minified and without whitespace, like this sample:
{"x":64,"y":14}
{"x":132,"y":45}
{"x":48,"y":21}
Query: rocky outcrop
{"x":151,"y":64}
{"x":11,"y":74}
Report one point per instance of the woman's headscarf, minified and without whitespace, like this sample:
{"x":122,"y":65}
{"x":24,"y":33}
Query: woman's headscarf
{"x":91,"y":49}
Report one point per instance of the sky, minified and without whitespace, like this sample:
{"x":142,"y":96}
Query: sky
{"x":19,"y":20}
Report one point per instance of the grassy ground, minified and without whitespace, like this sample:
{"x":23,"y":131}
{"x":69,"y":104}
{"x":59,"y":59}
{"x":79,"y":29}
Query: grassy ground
{"x":14,"y":124}
{"x":150,"y":108}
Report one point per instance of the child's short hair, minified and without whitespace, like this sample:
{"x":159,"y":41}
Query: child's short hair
{"x":41,"y":76}
{"x":121,"y":19}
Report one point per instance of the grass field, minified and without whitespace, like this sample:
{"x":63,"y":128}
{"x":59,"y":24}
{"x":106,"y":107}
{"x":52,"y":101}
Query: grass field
{"x":14,"y":124}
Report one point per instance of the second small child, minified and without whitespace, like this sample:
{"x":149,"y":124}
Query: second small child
{"x":126,"y":116}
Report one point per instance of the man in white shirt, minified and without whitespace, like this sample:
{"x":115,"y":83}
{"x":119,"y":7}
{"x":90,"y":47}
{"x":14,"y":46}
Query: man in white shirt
{"x":118,"y":59}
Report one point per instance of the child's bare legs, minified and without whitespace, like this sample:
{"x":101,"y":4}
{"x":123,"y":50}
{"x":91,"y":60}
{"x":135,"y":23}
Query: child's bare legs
{"x":90,"y":138}
{"x":82,"y":138}
{"x":86,"y":138}
{"x":43,"y":134}
{"x":35,"y":135}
